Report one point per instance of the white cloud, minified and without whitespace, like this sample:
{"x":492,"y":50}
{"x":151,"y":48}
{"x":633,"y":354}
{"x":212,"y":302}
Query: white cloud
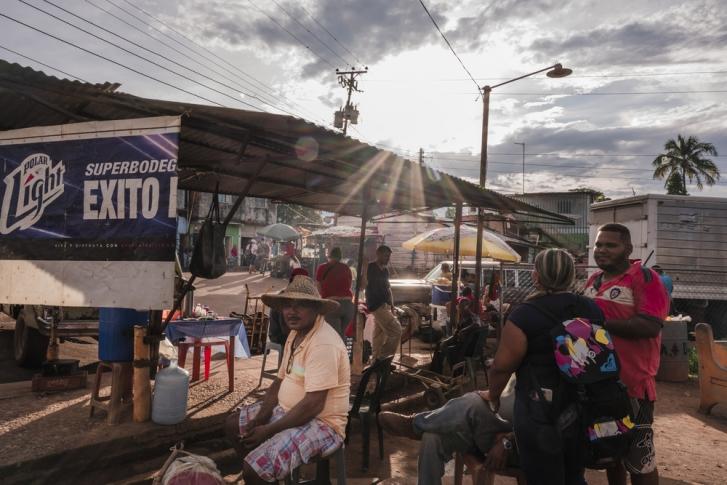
{"x":417,"y":95}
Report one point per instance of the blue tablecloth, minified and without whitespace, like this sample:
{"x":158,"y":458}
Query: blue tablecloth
{"x":224,"y":327}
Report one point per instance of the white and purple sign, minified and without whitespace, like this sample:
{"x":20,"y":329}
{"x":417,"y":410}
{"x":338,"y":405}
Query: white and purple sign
{"x":88,"y":213}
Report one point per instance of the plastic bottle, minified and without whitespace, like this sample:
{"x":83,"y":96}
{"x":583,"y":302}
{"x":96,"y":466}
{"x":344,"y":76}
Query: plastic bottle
{"x":171,"y":388}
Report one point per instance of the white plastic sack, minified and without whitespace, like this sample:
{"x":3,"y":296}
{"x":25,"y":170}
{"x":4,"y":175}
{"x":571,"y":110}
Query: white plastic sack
{"x":189,"y":469}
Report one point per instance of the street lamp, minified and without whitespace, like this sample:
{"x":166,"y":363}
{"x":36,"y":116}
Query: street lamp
{"x":523,"y":145}
{"x":554,"y":71}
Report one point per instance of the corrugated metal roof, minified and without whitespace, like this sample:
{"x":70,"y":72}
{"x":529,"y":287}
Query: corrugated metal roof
{"x":305,"y":164}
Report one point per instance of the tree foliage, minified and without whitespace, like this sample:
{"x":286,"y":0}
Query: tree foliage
{"x":293,"y":214}
{"x":598,"y":196}
{"x":685,"y":160}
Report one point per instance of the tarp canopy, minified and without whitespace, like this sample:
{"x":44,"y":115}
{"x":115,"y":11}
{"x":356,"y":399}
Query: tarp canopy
{"x":304,"y":163}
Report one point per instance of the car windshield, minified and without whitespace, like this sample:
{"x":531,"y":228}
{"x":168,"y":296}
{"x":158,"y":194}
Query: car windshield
{"x":467,"y":271}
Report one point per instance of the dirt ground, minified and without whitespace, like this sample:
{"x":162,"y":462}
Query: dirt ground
{"x":691,"y":447}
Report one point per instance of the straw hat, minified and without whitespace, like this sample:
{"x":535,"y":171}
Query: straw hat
{"x":301,"y":288}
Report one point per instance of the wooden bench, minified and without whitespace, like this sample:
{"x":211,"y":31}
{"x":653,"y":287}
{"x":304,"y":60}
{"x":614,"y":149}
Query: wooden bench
{"x":712,"y":368}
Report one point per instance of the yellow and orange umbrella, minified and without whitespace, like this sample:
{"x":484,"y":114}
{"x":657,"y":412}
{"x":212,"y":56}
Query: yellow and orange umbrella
{"x":441,"y":241}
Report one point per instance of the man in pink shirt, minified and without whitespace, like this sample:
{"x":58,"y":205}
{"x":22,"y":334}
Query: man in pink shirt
{"x":634,"y":302}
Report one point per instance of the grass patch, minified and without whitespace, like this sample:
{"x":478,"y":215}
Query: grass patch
{"x":693,"y":361}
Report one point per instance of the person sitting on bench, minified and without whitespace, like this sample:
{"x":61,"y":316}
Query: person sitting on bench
{"x":465,"y":424}
{"x":461,"y":344}
{"x":303,"y":414}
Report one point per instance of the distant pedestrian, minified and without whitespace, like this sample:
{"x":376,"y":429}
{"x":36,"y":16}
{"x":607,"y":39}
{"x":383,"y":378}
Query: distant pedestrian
{"x":250,"y":255}
{"x":352,"y":266}
{"x":261,"y":257}
{"x":380,"y":302}
{"x":334,"y":282}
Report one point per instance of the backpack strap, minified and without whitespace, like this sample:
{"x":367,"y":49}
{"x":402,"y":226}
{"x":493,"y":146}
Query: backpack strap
{"x":648,"y":275}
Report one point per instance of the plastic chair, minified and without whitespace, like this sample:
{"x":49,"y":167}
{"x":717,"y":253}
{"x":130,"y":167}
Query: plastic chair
{"x":477,"y":357}
{"x":367,"y":405}
{"x":323,"y":471}
{"x":270,"y":374}
{"x":480,"y":475}
{"x":207,"y":344}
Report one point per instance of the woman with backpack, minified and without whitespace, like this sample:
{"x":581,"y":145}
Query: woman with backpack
{"x":550,"y":439}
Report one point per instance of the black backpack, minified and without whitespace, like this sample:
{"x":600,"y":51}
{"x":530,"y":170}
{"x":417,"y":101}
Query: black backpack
{"x":599,"y":402}
{"x":208,"y":259}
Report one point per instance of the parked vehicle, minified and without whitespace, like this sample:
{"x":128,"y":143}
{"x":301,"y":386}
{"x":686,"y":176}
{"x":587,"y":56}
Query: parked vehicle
{"x":517,"y":284}
{"x":33,"y":328}
{"x":686,"y":236}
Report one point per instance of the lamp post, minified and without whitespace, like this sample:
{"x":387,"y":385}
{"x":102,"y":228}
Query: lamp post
{"x":523,"y":145}
{"x":554,"y":71}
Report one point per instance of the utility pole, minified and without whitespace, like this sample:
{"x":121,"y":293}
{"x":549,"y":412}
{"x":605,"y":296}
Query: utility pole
{"x":523,"y":145}
{"x":349,"y":113}
{"x":421,"y":156}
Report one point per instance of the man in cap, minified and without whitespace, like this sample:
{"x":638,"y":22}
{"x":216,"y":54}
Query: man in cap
{"x":380,"y":303}
{"x":303,"y":413}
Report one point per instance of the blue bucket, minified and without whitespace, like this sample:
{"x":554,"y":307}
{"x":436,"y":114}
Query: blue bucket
{"x":441,"y":295}
{"x":116,"y":333}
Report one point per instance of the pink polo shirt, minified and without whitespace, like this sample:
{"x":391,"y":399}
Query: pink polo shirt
{"x":633,"y":293}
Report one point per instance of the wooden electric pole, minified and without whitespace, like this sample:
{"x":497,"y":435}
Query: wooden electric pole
{"x":349,"y":113}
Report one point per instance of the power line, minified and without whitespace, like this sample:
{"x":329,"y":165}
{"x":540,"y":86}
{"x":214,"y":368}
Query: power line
{"x":272,"y":19}
{"x":593,"y":167}
{"x":449,"y":45}
{"x":233,"y":88}
{"x":311,"y":33}
{"x":188,"y":39}
{"x":109,"y":60}
{"x":622,"y":93}
{"x":43,"y":64}
{"x":517,"y":172}
{"x":265,"y":98}
{"x":582,"y":76}
{"x":557,"y":155}
{"x":154,"y":63}
{"x":332,"y":36}
{"x":206,"y":58}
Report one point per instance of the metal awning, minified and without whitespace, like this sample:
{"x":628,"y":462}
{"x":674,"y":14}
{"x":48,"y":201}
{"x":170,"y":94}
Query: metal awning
{"x":304,"y":163}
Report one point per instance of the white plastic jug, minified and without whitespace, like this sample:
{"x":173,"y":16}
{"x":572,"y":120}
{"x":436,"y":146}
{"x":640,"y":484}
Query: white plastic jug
{"x":169,"y":405}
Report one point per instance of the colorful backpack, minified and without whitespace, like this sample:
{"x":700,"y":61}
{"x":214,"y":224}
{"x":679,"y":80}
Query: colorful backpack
{"x":589,"y":368}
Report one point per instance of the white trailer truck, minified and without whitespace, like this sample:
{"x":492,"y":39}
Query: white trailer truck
{"x":687,"y":237}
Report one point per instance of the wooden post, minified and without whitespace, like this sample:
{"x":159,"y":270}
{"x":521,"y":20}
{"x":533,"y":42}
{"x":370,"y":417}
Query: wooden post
{"x":502,"y":302}
{"x":53,"y":348}
{"x":142,"y":384}
{"x":357,"y":367}
{"x":455,"y":270}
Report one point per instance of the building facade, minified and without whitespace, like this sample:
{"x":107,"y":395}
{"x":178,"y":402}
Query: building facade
{"x":254,"y":214}
{"x":575,"y":204}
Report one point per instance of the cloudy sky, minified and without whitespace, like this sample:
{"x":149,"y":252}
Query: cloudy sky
{"x":644,"y":71}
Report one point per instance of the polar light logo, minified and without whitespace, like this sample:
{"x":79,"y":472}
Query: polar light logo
{"x":30,"y":188}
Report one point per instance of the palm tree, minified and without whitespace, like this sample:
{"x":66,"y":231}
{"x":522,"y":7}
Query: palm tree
{"x":685,"y":159}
